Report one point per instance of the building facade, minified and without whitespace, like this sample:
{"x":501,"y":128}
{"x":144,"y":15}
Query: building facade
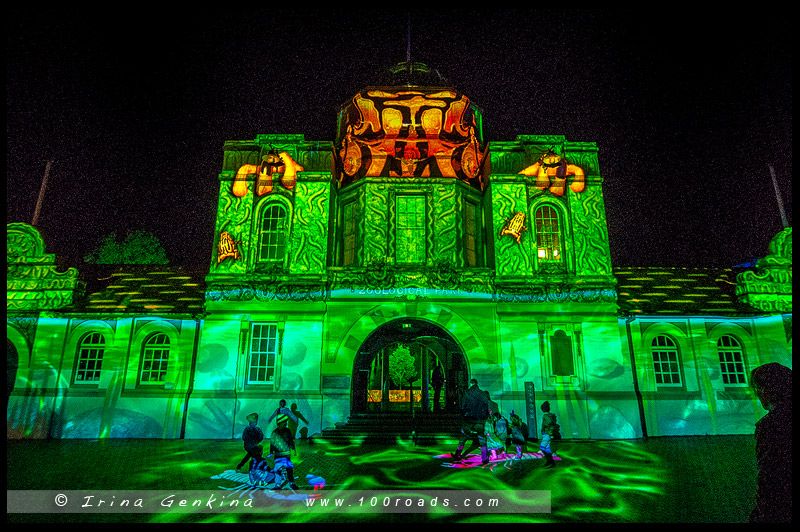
{"x":346,"y":274}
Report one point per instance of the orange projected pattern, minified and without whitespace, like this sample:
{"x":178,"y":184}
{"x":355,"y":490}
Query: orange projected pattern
{"x":410,"y":133}
{"x":226,"y":248}
{"x":515,"y":226}
{"x":551,"y":172}
{"x":395,"y":396}
{"x":271,"y":165}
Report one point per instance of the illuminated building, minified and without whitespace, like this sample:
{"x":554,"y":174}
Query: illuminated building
{"x":343,"y":272}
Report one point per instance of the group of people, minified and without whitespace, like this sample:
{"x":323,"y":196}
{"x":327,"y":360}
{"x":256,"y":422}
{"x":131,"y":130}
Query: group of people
{"x":281,"y":447}
{"x":486,"y":427}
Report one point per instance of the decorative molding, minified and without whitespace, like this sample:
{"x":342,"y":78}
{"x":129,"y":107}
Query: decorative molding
{"x":769,"y":288}
{"x":32,"y":281}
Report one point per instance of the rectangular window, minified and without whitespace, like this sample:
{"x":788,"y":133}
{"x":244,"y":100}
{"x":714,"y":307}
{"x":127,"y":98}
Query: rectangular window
{"x":732,"y":364}
{"x":471,"y":228}
{"x":410,"y":229}
{"x":263,"y":353}
{"x":349,"y":225}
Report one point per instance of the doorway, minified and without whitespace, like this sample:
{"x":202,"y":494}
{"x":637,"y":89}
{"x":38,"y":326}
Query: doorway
{"x":409,"y":366}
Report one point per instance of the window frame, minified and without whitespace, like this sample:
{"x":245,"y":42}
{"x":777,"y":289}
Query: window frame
{"x":658,"y":373}
{"x":349,"y":222}
{"x":280,"y":236}
{"x":476,"y":236}
{"x":421,"y":230}
{"x":146,"y":345}
{"x":573,"y":333}
{"x":83,"y":344}
{"x":558,"y":232}
{"x":738,"y":348}
{"x":250,"y":367}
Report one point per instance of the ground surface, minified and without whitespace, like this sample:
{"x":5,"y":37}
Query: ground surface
{"x":678,"y":479}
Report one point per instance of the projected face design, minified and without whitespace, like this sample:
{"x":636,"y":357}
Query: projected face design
{"x":409,"y":133}
{"x":552,"y":172}
{"x":271,"y":165}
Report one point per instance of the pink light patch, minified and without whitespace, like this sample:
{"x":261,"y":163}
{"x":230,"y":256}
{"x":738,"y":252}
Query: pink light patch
{"x":474,"y":460}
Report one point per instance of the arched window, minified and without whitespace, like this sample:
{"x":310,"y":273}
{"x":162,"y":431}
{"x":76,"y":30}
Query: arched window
{"x":272,"y":233}
{"x":155,"y":354}
{"x":731,"y":360}
{"x":666,"y":361}
{"x":90,"y":358}
{"x":548,"y":234}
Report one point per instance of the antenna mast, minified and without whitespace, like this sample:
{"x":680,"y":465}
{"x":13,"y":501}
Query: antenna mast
{"x":41,"y":194}
{"x":408,"y":50}
{"x":778,"y":195}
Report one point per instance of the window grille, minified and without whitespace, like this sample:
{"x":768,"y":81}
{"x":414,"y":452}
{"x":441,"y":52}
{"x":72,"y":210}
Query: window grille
{"x":263,"y":353}
{"x":155,"y":355}
{"x":90,"y":358}
{"x":665,"y":361}
{"x":273,"y":234}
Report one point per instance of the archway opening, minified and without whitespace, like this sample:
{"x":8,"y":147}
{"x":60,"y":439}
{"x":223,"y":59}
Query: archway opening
{"x":409,"y":366}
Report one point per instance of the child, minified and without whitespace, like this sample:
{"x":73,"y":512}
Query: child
{"x":550,"y":431}
{"x":282,"y":410}
{"x":281,"y":446}
{"x":252,"y":436}
{"x":496,"y":434}
{"x":519,"y":434}
{"x":261,"y":475}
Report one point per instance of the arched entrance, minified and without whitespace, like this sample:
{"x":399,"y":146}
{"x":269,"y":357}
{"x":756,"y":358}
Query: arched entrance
{"x":395,"y":370}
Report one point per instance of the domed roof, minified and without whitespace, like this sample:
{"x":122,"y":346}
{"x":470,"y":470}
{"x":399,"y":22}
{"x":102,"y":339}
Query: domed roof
{"x":411,"y":74}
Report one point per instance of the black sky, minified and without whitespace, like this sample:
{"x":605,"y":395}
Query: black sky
{"x":687,"y":107}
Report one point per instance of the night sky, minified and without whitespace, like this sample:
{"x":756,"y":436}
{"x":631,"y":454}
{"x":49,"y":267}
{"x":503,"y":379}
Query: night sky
{"x":688,"y":108}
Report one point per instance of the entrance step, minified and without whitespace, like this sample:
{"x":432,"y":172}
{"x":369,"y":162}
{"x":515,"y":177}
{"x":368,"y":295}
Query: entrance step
{"x":386,"y":428}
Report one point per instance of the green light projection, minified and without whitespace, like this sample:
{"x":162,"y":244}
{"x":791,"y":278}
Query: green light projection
{"x":364,"y":243}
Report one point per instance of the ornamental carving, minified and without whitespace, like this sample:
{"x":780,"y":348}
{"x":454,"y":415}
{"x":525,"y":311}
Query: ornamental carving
{"x":32,"y":282}
{"x":769,"y":287}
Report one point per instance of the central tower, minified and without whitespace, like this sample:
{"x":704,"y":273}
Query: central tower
{"x":409,"y":159}
{"x":474,"y":259}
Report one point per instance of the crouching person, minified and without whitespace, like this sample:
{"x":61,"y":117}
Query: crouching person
{"x":261,"y":475}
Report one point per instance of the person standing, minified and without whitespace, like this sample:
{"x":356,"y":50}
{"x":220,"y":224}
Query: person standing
{"x":437,"y":379}
{"x":550,"y":432}
{"x":282,"y":410}
{"x":519,"y":434}
{"x":252,"y":436}
{"x":773,"y":386}
{"x":281,"y":447}
{"x":496,"y":434}
{"x":475,"y":408}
